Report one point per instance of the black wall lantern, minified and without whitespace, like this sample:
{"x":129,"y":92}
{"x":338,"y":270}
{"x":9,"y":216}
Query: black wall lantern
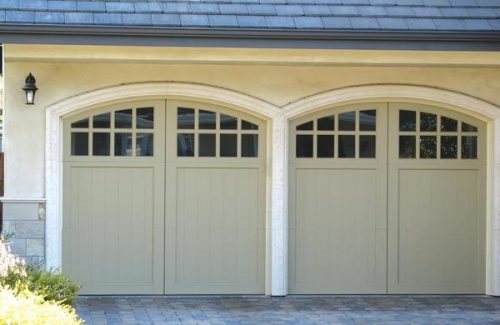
{"x":30,"y":89}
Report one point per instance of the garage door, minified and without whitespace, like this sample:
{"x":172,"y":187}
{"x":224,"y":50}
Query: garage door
{"x":387,"y":198}
{"x":164,"y":197}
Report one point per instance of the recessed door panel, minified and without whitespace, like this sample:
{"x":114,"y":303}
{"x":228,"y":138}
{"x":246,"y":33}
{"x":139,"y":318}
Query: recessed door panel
{"x":215,"y":201}
{"x":338,"y":219}
{"x":436,"y":202}
{"x":113,"y":213}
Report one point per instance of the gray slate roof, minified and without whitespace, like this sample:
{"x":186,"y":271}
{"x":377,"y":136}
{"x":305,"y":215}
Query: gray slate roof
{"x":351,"y":15}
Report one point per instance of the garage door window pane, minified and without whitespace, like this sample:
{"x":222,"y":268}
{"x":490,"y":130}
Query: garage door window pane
{"x":347,"y":121}
{"x":347,"y":146}
{"x":228,"y":145}
{"x":245,"y":125}
{"x":101,"y":144}
{"x":469,"y":147}
{"x":367,"y":146}
{"x":206,"y":120}
{"x":206,"y":145}
{"x":407,"y":146}
{"x":326,"y":123}
{"x":308,"y":126}
{"x":228,"y":122}
{"x":185,"y":145}
{"x":102,"y":121}
{"x":145,"y":118}
{"x":185,"y":118}
{"x":81,"y":124}
{"x":368,"y":120}
{"x":304,"y":146}
{"x":448,"y":124}
{"x":144,"y":144}
{"x":428,"y":147}
{"x":249,"y":145}
{"x":325,"y":146}
{"x":407,"y":121}
{"x":428,"y":122}
{"x":449,"y":147}
{"x":468,"y":128}
{"x":123,"y":119}
{"x":123,"y":144}
{"x":79,"y":144}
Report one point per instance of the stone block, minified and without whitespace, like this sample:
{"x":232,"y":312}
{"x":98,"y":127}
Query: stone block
{"x":35,"y":260}
{"x":17,"y":246}
{"x":35,"y":247}
{"x":20,"y":211}
{"x":30,"y":229}
{"x":9,"y":226}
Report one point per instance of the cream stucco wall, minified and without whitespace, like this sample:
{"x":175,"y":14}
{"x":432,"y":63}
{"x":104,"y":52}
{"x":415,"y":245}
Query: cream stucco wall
{"x":79,"y":69}
{"x":278,"y":77}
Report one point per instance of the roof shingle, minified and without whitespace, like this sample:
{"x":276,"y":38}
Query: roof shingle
{"x":413,"y":15}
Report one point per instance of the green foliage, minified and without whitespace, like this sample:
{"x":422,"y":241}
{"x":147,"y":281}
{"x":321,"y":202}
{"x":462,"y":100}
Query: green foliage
{"x":52,"y":286}
{"x":4,"y":236}
{"x":21,"y":306}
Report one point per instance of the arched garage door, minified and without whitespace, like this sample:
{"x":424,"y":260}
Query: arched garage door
{"x":164,"y":197}
{"x":387,"y":198}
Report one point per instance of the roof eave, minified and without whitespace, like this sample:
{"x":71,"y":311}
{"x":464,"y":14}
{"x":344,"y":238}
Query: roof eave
{"x":238,"y":37}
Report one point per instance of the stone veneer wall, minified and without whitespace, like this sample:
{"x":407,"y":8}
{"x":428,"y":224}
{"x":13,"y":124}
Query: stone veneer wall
{"x":26,"y":221}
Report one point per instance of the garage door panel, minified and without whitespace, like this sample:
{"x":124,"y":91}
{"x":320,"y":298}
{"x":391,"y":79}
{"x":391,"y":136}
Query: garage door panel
{"x":165,"y":197}
{"x":426,"y":192}
{"x":438,"y":236}
{"x":110,"y":229}
{"x":336,"y":212}
{"x":219,"y":232}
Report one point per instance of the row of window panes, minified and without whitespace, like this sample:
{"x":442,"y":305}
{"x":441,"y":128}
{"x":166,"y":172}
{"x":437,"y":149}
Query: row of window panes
{"x":207,"y":120}
{"x":101,"y":144}
{"x":228,"y":145}
{"x":325,"y":146}
{"x":346,"y":122}
{"x":429,"y":123}
{"x":428,"y":147}
{"x":123,"y":119}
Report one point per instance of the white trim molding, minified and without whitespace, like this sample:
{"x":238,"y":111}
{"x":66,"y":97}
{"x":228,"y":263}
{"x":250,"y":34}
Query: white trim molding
{"x":463,"y":103}
{"x":278,"y":117}
{"x":21,"y":200}
{"x":127,"y":92}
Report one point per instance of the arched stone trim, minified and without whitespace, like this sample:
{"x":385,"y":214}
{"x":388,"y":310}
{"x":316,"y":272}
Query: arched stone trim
{"x":432,"y":96}
{"x":369,"y":93}
{"x":128,"y":92}
{"x":279,"y":117}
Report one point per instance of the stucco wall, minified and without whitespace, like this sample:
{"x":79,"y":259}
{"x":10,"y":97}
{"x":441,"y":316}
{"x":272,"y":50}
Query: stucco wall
{"x":275,"y":83}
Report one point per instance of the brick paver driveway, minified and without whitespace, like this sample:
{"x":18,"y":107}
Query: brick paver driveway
{"x":292,"y":310}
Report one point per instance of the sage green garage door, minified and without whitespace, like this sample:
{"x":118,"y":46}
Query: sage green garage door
{"x":164,"y":197}
{"x":387,"y":198}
